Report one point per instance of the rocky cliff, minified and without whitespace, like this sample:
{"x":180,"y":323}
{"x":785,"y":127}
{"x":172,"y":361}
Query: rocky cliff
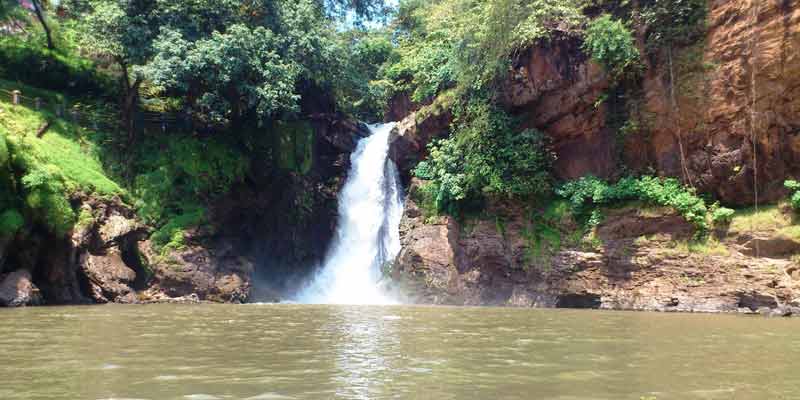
{"x":273,"y":226}
{"x":735,"y":97}
{"x":637,"y":259}
{"x":722,"y":115}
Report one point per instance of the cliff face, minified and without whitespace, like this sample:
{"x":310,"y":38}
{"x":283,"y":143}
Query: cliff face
{"x":639,"y":259}
{"x":738,"y":86}
{"x":732,"y":129}
{"x":272,"y":226}
{"x":742,"y":82}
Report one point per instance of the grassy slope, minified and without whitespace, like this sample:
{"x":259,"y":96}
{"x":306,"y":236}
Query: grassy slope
{"x":68,"y":147}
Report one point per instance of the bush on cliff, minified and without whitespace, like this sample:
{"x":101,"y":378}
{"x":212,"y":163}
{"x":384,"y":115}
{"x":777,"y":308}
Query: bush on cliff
{"x":486,"y":156}
{"x":794,"y":187}
{"x":588,"y":193}
{"x":611,"y":43}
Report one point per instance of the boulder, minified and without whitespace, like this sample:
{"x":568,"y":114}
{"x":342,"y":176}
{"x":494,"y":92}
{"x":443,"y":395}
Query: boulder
{"x":17,"y":289}
{"x":212,"y":272}
{"x":109,"y":278}
{"x":114,"y":228}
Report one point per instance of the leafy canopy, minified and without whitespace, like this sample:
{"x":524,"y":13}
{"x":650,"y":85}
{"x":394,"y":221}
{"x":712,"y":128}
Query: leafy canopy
{"x":611,"y":44}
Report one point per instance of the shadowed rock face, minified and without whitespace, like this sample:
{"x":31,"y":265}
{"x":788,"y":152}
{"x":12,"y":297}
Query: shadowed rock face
{"x":557,"y":89}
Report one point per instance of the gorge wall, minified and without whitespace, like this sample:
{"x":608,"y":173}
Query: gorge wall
{"x":732,"y":130}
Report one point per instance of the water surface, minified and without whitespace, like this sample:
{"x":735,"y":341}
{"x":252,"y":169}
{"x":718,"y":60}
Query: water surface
{"x":203,"y":352}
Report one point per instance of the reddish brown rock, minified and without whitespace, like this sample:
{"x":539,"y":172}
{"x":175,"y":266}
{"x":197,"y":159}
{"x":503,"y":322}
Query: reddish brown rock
{"x":558,"y":88}
{"x":410,"y":138}
{"x":212,"y":273}
{"x":636,"y":263}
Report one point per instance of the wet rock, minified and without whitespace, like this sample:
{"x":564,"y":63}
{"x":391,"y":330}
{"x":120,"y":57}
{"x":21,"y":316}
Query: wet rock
{"x":17,"y":289}
{"x":152,"y":296}
{"x":109,"y":278}
{"x":211,"y":272}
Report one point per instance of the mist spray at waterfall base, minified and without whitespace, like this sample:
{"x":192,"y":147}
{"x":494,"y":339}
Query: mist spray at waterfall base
{"x":367,"y":233}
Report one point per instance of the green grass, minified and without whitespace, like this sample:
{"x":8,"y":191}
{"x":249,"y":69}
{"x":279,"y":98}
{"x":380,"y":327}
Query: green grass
{"x":765,"y":219}
{"x":705,"y":247}
{"x":67,"y":147}
{"x":40,"y":175}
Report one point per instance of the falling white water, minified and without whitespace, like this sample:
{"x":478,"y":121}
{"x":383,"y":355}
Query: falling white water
{"x":367,"y":235}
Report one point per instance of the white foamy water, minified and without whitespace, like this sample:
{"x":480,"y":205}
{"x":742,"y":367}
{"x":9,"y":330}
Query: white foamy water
{"x":367,"y":236}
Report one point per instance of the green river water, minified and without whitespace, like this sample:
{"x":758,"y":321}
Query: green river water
{"x":205,"y":352}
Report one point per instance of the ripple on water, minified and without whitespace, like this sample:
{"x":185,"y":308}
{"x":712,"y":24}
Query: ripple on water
{"x":270,"y":396}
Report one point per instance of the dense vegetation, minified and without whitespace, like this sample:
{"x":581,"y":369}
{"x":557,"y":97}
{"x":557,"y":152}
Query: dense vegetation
{"x":245,"y":74}
{"x":240,"y":76}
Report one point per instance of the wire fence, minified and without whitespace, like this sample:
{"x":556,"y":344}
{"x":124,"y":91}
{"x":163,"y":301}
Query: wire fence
{"x":102,"y":118}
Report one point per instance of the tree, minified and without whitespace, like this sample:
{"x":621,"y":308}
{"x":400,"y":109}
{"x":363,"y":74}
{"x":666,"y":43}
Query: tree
{"x":122,"y":31}
{"x":226,"y":75}
{"x":38,"y":8}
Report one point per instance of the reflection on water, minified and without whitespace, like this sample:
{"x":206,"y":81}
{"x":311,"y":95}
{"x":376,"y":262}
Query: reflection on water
{"x":320,"y":352}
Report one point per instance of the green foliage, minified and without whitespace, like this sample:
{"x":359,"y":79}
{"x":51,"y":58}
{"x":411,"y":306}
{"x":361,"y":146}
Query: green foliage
{"x":70,"y":150}
{"x":722,"y":215}
{"x":227,"y":72}
{"x":611,"y":44}
{"x":46,"y":199}
{"x":363,"y":90}
{"x":295,"y":146}
{"x":794,"y":187}
{"x":29,"y":62}
{"x":178,"y":172}
{"x":39,"y":175}
{"x":10,"y":222}
{"x":485,"y":156}
{"x":171,"y":235}
{"x":588,"y":193}
{"x":672,"y":23}
{"x":470,"y":43}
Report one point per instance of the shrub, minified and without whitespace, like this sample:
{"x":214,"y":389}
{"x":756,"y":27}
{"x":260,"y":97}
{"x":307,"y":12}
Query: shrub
{"x":588,"y":193}
{"x":673,"y":22}
{"x":722,"y":215}
{"x":485,"y":155}
{"x":794,"y":187}
{"x":611,"y":44}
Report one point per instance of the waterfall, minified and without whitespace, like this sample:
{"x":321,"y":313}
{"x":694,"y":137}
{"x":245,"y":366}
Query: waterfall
{"x":367,"y":233}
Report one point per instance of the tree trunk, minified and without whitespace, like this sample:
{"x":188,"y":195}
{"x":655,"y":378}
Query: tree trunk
{"x":130,"y":100}
{"x":40,"y":15}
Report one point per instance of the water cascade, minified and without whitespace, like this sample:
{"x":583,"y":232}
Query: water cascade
{"x":367,"y":235}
